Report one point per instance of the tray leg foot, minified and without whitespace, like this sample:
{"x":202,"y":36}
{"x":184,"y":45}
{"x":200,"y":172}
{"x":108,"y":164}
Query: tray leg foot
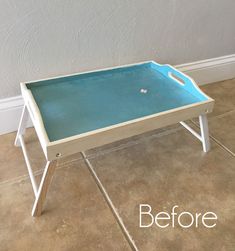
{"x":22,"y":125}
{"x":204,"y":132}
{"x":43,"y":187}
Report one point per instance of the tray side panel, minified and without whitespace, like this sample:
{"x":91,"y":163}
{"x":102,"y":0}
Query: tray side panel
{"x":115,"y":133}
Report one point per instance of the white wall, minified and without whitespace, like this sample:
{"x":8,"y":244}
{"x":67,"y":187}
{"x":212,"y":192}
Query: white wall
{"x":45,"y":38}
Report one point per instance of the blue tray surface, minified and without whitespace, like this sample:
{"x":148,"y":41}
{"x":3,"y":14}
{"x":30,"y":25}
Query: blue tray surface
{"x":81,"y":103}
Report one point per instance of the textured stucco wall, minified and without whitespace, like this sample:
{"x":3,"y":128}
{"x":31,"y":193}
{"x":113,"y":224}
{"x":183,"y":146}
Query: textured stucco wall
{"x":44,"y":38}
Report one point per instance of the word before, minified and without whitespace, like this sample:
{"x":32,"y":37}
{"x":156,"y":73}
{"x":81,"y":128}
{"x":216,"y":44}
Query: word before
{"x":182,"y":219}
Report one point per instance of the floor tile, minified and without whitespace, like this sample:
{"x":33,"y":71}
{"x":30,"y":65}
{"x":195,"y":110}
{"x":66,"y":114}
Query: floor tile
{"x":223,"y":128}
{"x":167,"y":171}
{"x":12,"y":164}
{"x":76,"y":216}
{"x":224,"y":95}
{"x":132,"y":140}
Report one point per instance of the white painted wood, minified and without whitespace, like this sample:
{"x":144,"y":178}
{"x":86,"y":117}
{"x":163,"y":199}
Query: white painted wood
{"x":190,"y":129}
{"x":204,"y":132}
{"x":210,"y":70}
{"x":28,"y":164}
{"x":22,"y":125}
{"x":43,"y":188}
{"x":19,"y":141}
{"x":35,"y":116}
{"x":203,"y":72}
{"x":12,"y":102}
{"x":40,"y":194}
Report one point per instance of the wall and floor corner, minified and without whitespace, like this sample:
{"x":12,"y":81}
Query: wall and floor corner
{"x":44,"y":39}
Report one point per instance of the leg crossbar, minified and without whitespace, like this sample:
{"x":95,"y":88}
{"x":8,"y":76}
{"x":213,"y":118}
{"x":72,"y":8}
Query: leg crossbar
{"x":40,"y":193}
{"x":204,"y":137}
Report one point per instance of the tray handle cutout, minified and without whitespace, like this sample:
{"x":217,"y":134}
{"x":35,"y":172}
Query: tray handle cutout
{"x":183,"y":80}
{"x":176,"y":75}
{"x":176,"y":78}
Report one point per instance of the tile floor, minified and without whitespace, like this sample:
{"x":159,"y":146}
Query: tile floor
{"x":162,"y":168}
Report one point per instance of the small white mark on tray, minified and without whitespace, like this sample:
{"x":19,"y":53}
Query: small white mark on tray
{"x":144,"y":91}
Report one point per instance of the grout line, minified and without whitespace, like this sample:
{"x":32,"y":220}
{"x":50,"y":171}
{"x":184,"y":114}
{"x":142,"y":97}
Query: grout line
{"x":110,"y":204}
{"x":222,"y":146}
{"x":20,"y":178}
{"x":215,"y":117}
{"x":37,"y":173}
{"x":134,"y":142}
{"x":216,"y":140}
{"x":221,"y":115}
{"x":69,"y":162}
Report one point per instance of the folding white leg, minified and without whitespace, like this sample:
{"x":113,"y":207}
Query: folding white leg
{"x":204,"y":132}
{"x":22,"y":125}
{"x":40,"y":193}
{"x":28,"y":164}
{"x":43,"y":187}
{"x":204,"y":137}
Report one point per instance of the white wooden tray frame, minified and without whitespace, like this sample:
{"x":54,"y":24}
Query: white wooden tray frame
{"x":79,"y":143}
